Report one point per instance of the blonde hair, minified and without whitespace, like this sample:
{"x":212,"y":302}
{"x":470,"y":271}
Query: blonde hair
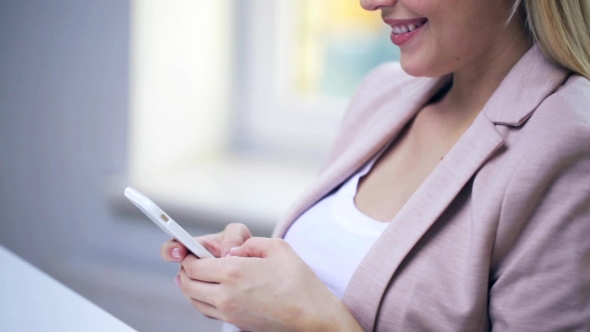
{"x":561,"y":29}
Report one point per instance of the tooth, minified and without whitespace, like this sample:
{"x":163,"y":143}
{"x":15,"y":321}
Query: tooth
{"x":411,"y":27}
{"x":396,"y":30}
{"x":404,"y":29}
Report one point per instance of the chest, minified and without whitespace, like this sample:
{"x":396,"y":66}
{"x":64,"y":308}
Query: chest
{"x":401,"y":169}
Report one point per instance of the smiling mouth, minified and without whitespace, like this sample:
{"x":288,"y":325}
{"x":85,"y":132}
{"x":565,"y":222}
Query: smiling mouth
{"x":399,"y":29}
{"x":403,"y":31}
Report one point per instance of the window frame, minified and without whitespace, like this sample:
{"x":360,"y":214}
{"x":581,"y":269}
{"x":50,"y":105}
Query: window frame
{"x":274,"y":117}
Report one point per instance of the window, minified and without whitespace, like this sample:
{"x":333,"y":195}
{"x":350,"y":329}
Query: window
{"x":304,"y":58}
{"x":233,"y":103}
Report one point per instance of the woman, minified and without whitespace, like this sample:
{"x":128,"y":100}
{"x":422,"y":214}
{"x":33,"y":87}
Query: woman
{"x":456,"y":196}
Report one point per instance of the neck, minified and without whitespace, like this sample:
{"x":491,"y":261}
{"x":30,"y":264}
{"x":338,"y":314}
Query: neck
{"x":475,"y":83}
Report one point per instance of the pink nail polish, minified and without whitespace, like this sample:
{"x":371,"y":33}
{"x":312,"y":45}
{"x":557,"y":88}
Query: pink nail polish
{"x":176,"y":253}
{"x":177,"y":281}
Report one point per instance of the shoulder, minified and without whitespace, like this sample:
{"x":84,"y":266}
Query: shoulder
{"x":380,"y":81}
{"x":549,"y":167}
{"x":570,"y":103}
{"x":548,"y":161}
{"x":379,"y":86}
{"x":544,"y":223}
{"x":558,"y":132}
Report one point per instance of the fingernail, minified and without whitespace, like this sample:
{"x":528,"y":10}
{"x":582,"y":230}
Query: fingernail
{"x":176,"y":253}
{"x":234,"y":249}
{"x":177,"y":281}
{"x":228,"y":254}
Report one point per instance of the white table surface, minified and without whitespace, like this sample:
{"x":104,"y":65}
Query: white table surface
{"x":30,"y":300}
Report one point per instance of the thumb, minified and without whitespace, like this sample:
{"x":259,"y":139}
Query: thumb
{"x":234,"y":235}
{"x":255,"y":247}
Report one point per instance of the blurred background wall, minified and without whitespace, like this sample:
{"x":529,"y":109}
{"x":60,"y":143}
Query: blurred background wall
{"x":63,"y":131}
{"x":69,"y":111}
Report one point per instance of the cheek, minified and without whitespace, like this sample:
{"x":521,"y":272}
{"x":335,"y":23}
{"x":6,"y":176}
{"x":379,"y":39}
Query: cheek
{"x":440,"y":50}
{"x":432,"y":53}
{"x":452,"y":38}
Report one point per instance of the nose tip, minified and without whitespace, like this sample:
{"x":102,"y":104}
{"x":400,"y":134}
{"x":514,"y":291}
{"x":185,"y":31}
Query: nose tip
{"x":376,"y":4}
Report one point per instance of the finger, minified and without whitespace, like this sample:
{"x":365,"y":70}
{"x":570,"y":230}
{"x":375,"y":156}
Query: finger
{"x":202,"y":306}
{"x":234,"y":235}
{"x":208,"y":269}
{"x":198,"y":290}
{"x":259,"y":247}
{"x":206,"y":309}
{"x":177,"y":278}
{"x":173,"y":251}
{"x":212,"y":243}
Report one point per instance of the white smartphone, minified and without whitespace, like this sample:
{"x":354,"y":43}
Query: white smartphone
{"x":167,"y":224}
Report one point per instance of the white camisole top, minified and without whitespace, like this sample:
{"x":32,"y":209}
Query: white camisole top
{"x":333,"y":236}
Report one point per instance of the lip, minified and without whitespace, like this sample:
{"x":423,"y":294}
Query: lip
{"x":399,"y":39}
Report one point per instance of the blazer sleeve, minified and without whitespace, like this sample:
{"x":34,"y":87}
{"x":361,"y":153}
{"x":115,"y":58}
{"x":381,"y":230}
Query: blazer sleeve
{"x":540,"y":278}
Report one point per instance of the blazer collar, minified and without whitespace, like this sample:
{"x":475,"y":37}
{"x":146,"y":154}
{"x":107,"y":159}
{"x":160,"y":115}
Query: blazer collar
{"x":529,"y":82}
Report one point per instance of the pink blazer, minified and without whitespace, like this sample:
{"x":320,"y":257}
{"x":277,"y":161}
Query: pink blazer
{"x":498,"y":236}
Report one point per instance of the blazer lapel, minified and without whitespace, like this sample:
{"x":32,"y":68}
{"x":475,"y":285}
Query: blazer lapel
{"x":384,"y":125}
{"x":366,"y":288}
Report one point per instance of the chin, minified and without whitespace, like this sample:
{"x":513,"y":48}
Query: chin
{"x":421,"y":67}
{"x":414,"y":68}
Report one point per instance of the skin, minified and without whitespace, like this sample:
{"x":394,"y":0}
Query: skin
{"x":465,"y":38}
{"x":261,"y":284}
{"x":239,"y":289}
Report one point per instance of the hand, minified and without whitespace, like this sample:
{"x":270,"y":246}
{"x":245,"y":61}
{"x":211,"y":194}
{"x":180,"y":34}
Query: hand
{"x":219,"y":244}
{"x":271,"y":289}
